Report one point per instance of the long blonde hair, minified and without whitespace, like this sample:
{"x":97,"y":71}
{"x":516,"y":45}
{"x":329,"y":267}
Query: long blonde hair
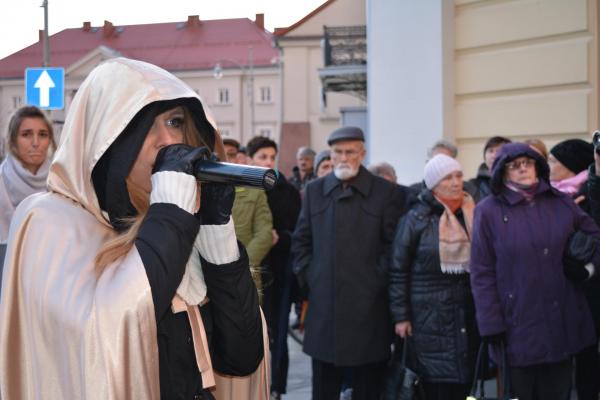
{"x":120,"y":245}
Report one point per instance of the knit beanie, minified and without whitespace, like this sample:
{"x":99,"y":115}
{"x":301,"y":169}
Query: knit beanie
{"x":438,"y":168}
{"x":575,"y":154}
{"x":322,"y":156}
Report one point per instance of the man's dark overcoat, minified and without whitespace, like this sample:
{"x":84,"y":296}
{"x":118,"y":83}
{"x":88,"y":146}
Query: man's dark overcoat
{"x":341,"y":251}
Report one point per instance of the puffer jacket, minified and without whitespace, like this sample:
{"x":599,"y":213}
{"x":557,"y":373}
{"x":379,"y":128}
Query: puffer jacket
{"x":439,"y":306}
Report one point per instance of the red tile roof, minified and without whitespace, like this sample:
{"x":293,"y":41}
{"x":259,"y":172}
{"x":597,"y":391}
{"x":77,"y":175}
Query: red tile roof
{"x":175,"y":46}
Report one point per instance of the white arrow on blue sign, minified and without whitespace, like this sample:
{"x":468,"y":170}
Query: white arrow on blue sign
{"x":45,"y":87}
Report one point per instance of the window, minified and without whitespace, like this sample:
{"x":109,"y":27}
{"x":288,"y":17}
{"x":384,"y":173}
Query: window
{"x":223,"y":96}
{"x":17,"y":101}
{"x":266,"y":132}
{"x":225,"y":132}
{"x":265,"y":94}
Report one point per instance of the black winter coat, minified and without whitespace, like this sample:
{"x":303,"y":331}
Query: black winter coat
{"x":341,"y":250}
{"x":591,"y":205}
{"x":298,"y":182}
{"x":231,"y":317}
{"x":439,"y":306}
{"x":479,"y":187}
{"x":284,"y":202}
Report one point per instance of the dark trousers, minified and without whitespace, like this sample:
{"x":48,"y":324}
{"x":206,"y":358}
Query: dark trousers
{"x":587,"y":373}
{"x":542,"y":382}
{"x":445,"y":391}
{"x":367,"y":380}
{"x":281,"y":303}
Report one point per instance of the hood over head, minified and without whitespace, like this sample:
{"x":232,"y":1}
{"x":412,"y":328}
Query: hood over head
{"x":509,"y":152}
{"x":105,"y":128}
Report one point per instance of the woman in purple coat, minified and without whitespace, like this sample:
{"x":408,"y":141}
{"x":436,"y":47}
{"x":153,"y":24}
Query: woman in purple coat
{"x":521,"y":294}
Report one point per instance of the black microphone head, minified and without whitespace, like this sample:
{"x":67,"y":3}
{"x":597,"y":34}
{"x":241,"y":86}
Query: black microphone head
{"x":269,"y":179}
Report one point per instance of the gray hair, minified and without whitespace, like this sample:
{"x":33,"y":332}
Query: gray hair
{"x":305,"y":151}
{"x":443,"y":144}
{"x":382,"y":168}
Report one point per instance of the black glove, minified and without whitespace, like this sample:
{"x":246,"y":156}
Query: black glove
{"x":179,"y":158}
{"x":582,"y":247}
{"x":579,"y":251}
{"x":495,"y":339}
{"x":574,"y":269}
{"x":216,"y":202}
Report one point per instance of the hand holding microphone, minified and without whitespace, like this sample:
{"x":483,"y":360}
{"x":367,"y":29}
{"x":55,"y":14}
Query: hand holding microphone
{"x":185,"y":164}
{"x":173,"y":179}
{"x":206,"y":168}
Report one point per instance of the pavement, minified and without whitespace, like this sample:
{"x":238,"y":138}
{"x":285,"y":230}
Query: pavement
{"x":299,"y":373}
{"x":299,"y":376}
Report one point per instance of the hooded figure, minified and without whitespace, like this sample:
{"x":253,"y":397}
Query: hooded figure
{"x":81,"y":318}
{"x":522,"y":295}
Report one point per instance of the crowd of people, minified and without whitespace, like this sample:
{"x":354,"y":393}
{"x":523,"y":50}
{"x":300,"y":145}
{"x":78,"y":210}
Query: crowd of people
{"x":124,"y":277}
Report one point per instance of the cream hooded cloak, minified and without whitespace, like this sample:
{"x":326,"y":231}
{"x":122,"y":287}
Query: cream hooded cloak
{"x":66,"y":333}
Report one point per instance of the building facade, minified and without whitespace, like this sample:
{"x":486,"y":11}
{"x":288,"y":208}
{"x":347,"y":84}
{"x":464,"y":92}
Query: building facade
{"x":230,"y":63}
{"x":309,"y":115}
{"x":466,"y":70}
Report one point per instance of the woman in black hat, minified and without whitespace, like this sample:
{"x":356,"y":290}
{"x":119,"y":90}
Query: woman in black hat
{"x":569,"y":161}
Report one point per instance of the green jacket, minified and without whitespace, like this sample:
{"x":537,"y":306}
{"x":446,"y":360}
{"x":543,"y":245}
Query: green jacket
{"x":253,"y":224}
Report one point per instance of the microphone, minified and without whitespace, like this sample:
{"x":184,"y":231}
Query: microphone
{"x":235,"y":174}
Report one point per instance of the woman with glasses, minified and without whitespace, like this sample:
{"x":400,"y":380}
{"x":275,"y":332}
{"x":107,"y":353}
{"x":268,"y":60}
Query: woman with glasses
{"x":518,"y":277}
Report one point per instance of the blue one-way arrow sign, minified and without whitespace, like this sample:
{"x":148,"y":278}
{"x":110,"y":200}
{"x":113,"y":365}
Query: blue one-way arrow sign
{"x":44,"y":87}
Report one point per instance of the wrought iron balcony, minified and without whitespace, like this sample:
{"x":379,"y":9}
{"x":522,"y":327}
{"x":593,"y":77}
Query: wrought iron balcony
{"x":345,"y":59}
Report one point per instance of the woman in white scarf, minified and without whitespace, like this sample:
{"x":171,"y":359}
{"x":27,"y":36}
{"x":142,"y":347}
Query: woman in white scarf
{"x":25,"y":169}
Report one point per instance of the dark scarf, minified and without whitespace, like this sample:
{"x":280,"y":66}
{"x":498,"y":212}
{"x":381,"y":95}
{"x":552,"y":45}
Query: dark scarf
{"x":528,"y":191}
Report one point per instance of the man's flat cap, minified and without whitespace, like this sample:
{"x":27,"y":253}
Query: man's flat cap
{"x":346,"y":133}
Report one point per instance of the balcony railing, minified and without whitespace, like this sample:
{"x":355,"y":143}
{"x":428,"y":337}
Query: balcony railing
{"x":345,"y":45}
{"x":345,"y":59}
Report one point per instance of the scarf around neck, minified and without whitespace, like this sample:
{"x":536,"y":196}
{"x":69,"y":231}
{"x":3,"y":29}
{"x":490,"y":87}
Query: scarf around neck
{"x":20,"y":182}
{"x":455,"y":242}
{"x":528,"y":191}
{"x":571,"y":185}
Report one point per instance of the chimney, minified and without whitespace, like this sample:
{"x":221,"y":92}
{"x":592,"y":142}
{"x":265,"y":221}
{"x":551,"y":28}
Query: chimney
{"x":87,"y":26}
{"x":41,"y":35}
{"x":108,"y":29}
{"x":260,"y":21}
{"x":193,"y":21}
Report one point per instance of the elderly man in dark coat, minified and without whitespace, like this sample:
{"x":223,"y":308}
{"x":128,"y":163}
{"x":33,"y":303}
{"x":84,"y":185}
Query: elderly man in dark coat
{"x":340,"y":247}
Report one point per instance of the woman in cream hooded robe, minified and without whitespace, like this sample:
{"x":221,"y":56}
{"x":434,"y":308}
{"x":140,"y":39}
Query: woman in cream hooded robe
{"x":71,"y":331}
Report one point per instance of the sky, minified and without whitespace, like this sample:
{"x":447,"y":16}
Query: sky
{"x":20,"y":20}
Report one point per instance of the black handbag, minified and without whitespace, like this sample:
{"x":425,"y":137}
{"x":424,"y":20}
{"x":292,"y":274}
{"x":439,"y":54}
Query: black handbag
{"x":402,"y":382}
{"x":480,"y":367}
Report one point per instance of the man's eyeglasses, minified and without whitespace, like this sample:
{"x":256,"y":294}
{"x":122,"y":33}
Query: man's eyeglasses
{"x":347,"y":153}
{"x":514,"y":165}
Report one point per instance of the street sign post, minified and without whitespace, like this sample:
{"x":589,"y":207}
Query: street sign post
{"x":45,"y":87}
